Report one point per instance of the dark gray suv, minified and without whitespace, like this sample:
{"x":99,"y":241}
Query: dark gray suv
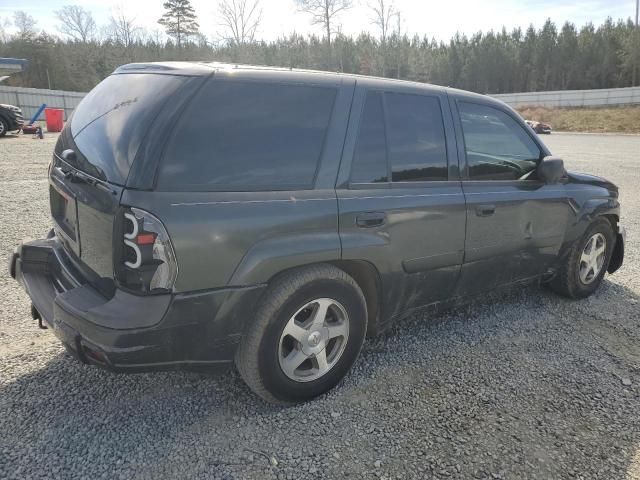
{"x":206,"y":214}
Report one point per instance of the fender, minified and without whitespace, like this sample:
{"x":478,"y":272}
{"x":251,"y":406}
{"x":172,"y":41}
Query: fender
{"x":595,"y":207}
{"x":585,"y":214}
{"x":274,"y":255}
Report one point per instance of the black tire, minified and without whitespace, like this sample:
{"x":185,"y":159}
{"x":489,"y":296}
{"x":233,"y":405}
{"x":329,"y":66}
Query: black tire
{"x":4,"y":127}
{"x":257,"y":358}
{"x":567,"y":282}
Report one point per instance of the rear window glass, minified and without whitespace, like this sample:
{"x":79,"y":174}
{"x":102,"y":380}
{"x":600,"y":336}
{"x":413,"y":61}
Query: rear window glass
{"x":248,"y":136}
{"x":110,"y":122}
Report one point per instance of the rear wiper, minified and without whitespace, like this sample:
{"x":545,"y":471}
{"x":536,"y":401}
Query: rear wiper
{"x":76,"y":176}
{"x":70,"y":157}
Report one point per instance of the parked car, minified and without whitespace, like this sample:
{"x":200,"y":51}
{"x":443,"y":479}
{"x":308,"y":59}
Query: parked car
{"x":539,"y":127}
{"x":207,"y":214}
{"x":10,"y":119}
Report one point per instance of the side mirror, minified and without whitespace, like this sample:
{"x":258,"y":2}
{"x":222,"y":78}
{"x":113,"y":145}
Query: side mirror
{"x":551,"y":169}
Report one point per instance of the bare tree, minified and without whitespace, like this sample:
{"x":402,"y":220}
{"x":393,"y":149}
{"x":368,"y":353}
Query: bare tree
{"x":323,"y":12}
{"x":399,"y":23}
{"x":398,"y":34}
{"x":4,"y":23}
{"x":123,"y":28}
{"x":384,"y":12}
{"x":25,"y":24}
{"x":76,"y":22}
{"x":241,"y":19}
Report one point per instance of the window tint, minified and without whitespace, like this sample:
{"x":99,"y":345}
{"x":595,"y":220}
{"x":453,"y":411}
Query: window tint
{"x":417,"y":145}
{"x":497,"y":147}
{"x":112,"y":120}
{"x":370,"y":157}
{"x":248,"y":136}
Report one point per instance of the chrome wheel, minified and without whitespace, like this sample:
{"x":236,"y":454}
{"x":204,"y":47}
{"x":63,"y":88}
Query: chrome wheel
{"x":313,"y":340}
{"x":2,"y":128}
{"x":592,"y":258}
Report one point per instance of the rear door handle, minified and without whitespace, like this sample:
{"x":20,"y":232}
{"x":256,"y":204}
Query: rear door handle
{"x":485,"y":210}
{"x":370,"y":219}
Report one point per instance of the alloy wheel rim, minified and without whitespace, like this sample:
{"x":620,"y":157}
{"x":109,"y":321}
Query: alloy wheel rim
{"x":1,"y":128}
{"x":313,"y":340}
{"x":592,"y":258}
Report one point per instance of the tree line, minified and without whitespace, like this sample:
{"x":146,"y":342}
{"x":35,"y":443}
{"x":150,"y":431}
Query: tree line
{"x":550,"y":57}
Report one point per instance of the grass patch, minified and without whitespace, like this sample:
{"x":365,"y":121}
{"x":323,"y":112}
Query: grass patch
{"x":597,"y":120}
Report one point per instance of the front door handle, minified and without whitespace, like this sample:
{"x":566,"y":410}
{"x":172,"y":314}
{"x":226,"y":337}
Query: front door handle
{"x":485,"y":210}
{"x":370,"y":219}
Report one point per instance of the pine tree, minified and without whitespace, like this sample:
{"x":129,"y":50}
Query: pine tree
{"x":179,"y":20}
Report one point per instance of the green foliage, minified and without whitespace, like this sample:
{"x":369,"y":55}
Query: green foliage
{"x":548,"y":58}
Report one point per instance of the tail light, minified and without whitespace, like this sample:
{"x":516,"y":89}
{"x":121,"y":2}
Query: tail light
{"x":148,"y":260}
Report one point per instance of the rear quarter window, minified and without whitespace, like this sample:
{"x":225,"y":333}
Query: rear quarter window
{"x":237,"y":136}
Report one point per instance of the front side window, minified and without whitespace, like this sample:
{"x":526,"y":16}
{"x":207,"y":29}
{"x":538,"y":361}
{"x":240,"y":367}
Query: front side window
{"x":497,"y":147}
{"x":411,"y":140}
{"x":237,"y":136}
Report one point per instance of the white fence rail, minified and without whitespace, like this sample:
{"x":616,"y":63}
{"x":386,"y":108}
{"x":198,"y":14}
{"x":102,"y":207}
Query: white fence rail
{"x":30,"y":99}
{"x":574,"y":98}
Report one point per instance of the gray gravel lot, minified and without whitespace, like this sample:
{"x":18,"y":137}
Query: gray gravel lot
{"x":525,"y":385}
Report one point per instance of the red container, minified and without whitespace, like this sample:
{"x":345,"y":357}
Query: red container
{"x":54,"y":118}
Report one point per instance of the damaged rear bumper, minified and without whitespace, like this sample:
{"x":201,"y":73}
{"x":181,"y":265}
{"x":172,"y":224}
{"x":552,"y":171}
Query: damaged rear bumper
{"x":130,"y":332}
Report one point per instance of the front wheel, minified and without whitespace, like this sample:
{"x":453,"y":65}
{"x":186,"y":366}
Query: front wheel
{"x":306,"y":335}
{"x":583,"y":270}
{"x":4,"y":127}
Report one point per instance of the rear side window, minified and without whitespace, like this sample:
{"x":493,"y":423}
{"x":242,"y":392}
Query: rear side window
{"x":411,"y":140}
{"x":248,"y":136}
{"x":497,"y":147}
{"x":370,"y":157}
{"x":417,"y":144}
{"x":112,"y":120}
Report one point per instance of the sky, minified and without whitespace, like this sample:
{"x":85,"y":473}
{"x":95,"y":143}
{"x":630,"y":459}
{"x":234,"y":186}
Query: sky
{"x":439,"y":19}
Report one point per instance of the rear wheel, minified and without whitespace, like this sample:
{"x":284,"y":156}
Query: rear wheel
{"x":4,"y":127}
{"x":307,"y":333}
{"x":586,"y":264}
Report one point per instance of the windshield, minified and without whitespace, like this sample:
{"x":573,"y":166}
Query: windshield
{"x":108,"y":126}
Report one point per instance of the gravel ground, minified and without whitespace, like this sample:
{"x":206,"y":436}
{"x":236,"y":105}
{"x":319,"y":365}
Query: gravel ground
{"x":525,"y":385}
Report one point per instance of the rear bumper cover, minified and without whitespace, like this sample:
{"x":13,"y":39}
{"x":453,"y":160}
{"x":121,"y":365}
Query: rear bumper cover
{"x":129,"y":332}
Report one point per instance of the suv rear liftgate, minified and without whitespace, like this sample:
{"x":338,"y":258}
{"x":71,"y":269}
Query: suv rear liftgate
{"x":110,"y":267}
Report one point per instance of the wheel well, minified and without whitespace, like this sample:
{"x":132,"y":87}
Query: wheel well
{"x":613,"y":220}
{"x":368,"y":279}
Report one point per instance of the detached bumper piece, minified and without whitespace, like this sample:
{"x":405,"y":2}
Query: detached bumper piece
{"x":617,"y":257}
{"x":127,"y":332}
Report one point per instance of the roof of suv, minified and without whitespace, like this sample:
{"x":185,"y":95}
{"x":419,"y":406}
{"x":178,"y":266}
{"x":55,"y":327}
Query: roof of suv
{"x":292,"y":74}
